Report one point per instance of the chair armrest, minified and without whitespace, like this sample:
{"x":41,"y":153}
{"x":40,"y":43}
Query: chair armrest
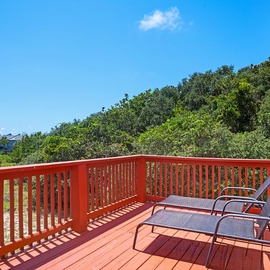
{"x":236,"y":188}
{"x":215,"y":234}
{"x":247,"y":216}
{"x":234,"y":197}
{"x":230,"y":197}
{"x":251,"y":201}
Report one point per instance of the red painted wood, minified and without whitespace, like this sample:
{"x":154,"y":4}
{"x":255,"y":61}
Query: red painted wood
{"x":109,"y":208}
{"x":109,"y":185}
{"x":193,"y":188}
{"x":66,"y":198}
{"x":149,"y":179}
{"x":45,"y":201}
{"x":12,"y":211}
{"x":35,"y":237}
{"x":182,"y":181}
{"x":219,"y":181}
{"x":52,"y":201}
{"x":226,"y":176}
{"x":187,"y":181}
{"x":91,"y":190}
{"x":206,"y":182}
{"x":177,"y":179}
{"x":30,"y":205}
{"x":200,"y":181}
{"x":212,"y":181}
{"x":59,"y":197}
{"x":113,"y":183}
{"x":79,"y":198}
{"x":127,"y":181}
{"x":141,"y":174}
{"x":107,"y":244}
{"x":117,"y":186}
{"x":38,"y":217}
{"x":1,"y":212}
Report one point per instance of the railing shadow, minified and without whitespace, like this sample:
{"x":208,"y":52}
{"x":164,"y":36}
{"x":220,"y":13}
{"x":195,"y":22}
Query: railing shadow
{"x":194,"y":252}
{"x":49,"y":250}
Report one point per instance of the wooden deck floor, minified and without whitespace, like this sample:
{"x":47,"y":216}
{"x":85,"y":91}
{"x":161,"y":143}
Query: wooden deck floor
{"x":108,"y":245}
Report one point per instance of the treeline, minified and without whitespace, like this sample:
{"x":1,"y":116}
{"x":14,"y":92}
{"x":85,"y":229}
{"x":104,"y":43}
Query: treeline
{"x":224,"y":113}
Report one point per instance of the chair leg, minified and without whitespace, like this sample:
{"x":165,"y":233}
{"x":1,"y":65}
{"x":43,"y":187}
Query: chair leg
{"x":210,"y":250}
{"x":153,"y":209}
{"x":136,"y":234}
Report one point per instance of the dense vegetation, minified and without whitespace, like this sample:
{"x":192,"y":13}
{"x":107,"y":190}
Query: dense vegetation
{"x":225,"y":113}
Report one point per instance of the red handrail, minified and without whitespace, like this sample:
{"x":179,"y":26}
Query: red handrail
{"x":39,"y":201}
{"x":201,"y":177}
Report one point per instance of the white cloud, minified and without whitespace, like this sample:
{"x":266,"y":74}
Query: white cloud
{"x":5,"y":131}
{"x":169,"y":19}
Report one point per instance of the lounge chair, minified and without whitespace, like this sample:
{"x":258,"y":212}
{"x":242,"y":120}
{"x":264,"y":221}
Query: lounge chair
{"x":236,"y":226}
{"x":223,"y":203}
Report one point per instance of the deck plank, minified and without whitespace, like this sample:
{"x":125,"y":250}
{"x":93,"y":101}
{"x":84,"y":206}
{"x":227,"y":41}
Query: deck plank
{"x":169,"y":243}
{"x":95,"y":246}
{"x":107,"y":244}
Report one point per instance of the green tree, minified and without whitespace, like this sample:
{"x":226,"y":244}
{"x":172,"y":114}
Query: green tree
{"x":208,"y":114}
{"x":3,"y":144}
{"x":27,"y":146}
{"x":158,"y":108}
{"x":57,"y":148}
{"x":195,"y":91}
{"x":238,"y":109}
{"x":264,"y":115}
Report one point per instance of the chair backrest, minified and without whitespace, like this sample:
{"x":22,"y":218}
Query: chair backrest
{"x":261,"y":189}
{"x":264,"y":213}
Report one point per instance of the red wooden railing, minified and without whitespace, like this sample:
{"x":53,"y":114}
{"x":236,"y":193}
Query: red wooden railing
{"x":201,"y":177}
{"x":37,"y":202}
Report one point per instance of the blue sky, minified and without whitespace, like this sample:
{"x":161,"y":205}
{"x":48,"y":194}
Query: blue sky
{"x":66,"y":59}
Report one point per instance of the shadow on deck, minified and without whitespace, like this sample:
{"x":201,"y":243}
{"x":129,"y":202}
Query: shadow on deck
{"x":107,"y":244}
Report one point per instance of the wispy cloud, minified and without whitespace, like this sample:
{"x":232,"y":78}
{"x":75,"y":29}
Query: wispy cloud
{"x":169,"y":19}
{"x":5,"y":131}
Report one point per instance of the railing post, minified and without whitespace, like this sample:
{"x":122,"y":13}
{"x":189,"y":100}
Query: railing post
{"x":79,"y":198}
{"x":1,"y":214}
{"x":141,"y":179}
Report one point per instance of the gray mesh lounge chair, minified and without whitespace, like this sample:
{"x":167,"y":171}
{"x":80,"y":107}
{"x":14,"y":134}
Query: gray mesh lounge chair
{"x":223,"y":203}
{"x":236,"y":226}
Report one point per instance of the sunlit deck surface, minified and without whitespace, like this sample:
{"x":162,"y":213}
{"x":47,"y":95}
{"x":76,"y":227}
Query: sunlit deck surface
{"x":107,"y":244}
